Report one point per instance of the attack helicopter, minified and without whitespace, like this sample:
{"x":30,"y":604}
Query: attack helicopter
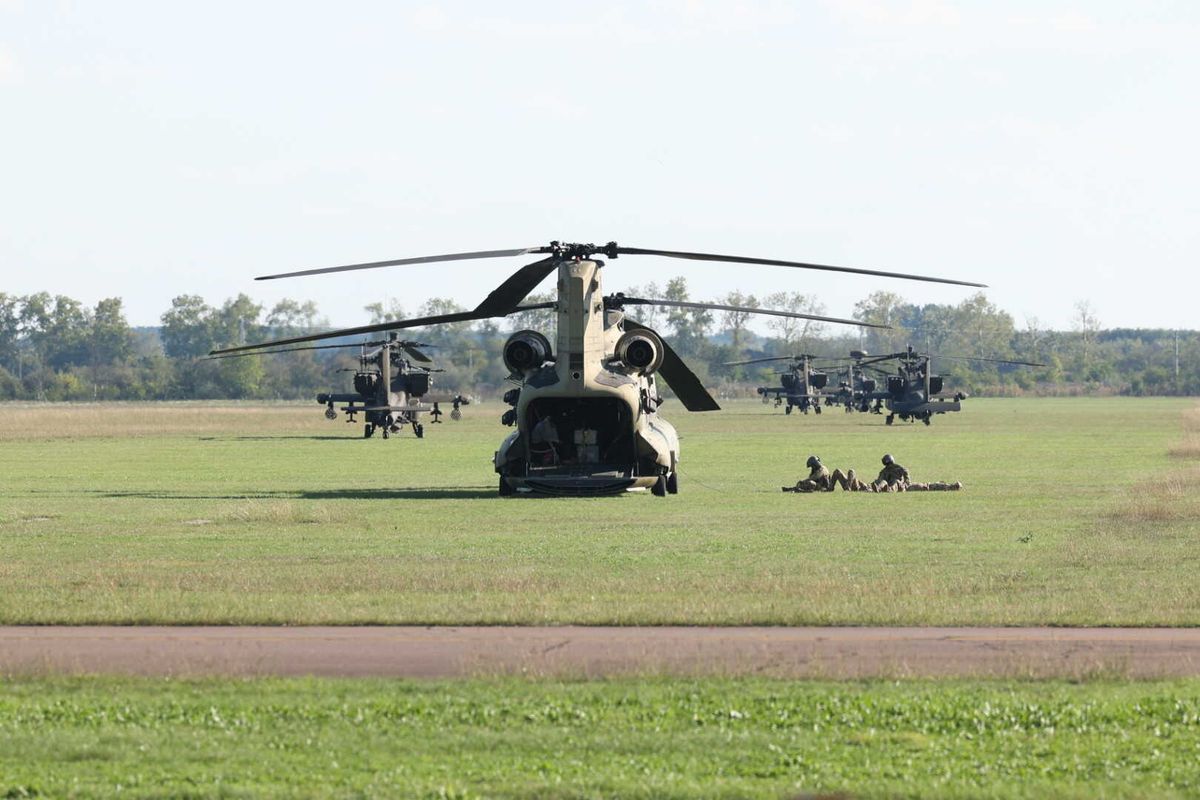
{"x":800,"y":386}
{"x":856,"y":386}
{"x":392,"y":386}
{"x":586,"y":409}
{"x":910,"y":393}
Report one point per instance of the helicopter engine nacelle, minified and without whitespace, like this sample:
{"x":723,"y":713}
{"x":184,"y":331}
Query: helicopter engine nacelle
{"x":936,"y":384}
{"x":417,"y":384}
{"x":365,"y":383}
{"x":895,"y":385}
{"x":640,"y":351}
{"x":817,"y":380}
{"x":868,"y":385}
{"x":526,"y":351}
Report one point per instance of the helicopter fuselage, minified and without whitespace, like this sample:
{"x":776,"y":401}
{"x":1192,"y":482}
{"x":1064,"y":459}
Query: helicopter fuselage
{"x":387,"y":392}
{"x":910,"y":394}
{"x":587,"y":422}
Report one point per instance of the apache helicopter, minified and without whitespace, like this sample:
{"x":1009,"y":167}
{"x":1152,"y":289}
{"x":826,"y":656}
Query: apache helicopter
{"x":801,"y":385}
{"x":910,"y":393}
{"x":390,"y":391}
{"x":586,"y":409}
{"x":856,"y":387}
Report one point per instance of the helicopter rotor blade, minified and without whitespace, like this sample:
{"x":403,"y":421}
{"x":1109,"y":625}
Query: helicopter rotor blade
{"x":319,"y":347}
{"x":991,"y":360}
{"x":379,"y":327}
{"x":810,"y":359}
{"x":877,"y":359}
{"x":612,"y":250}
{"x":620,"y":299}
{"x":401,"y":261}
{"x":297,"y":349}
{"x":679,"y":376}
{"x":416,"y":354}
{"x":771,"y":262}
{"x":504,"y":298}
{"x":756,"y":361}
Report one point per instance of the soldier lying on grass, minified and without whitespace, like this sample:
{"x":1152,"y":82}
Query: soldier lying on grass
{"x":892,"y":478}
{"x":895,"y":478}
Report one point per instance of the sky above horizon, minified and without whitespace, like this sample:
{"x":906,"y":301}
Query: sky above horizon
{"x":1048,"y":149}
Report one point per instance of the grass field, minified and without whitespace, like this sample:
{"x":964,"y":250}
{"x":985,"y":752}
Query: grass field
{"x":649,"y":738}
{"x":1075,"y":512}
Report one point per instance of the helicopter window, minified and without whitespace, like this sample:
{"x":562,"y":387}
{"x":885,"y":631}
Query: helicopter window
{"x":589,"y":430}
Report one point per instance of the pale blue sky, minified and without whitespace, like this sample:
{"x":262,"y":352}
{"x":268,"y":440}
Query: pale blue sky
{"x":1046,"y":148}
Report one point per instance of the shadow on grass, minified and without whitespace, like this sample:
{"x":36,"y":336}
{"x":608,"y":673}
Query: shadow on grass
{"x":265,"y":438}
{"x":402,"y":493}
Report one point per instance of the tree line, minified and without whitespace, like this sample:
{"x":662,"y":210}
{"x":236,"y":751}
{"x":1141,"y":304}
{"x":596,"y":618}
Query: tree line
{"x":53,"y":347}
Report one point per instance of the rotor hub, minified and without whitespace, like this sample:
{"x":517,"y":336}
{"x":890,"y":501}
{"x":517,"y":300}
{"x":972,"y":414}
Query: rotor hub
{"x":578,"y":251}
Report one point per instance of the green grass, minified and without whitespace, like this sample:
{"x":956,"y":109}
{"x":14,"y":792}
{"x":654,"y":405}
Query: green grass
{"x":649,"y":738}
{"x":1074,"y":513}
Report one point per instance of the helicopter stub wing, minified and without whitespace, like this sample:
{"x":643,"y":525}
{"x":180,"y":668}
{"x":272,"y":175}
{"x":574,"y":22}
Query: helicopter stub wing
{"x":442,"y":397}
{"x":420,"y":409}
{"x":933,"y":407}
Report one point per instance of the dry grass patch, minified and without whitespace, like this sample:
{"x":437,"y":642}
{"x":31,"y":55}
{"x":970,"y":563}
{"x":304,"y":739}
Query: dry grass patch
{"x":40,"y":421}
{"x":282,"y":512}
{"x":12,"y":518}
{"x":1189,"y":445}
{"x":1172,"y":497}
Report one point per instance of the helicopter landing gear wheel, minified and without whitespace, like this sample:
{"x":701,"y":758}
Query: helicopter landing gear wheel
{"x":890,"y":419}
{"x":506,"y":490}
{"x":419,"y":430}
{"x":368,"y":430}
{"x":927,"y":420}
{"x":673,"y":482}
{"x":817,"y":408}
{"x":385,"y":432}
{"x":788,"y":410}
{"x":660,"y":487}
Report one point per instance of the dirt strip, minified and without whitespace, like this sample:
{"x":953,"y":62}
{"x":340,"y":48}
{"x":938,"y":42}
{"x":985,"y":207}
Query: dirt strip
{"x":440,"y":652}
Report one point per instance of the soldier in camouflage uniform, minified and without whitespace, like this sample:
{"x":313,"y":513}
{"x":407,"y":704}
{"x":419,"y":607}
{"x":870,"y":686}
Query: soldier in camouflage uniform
{"x":818,"y":480}
{"x":850,"y":482}
{"x":892,"y":478}
{"x":935,"y":486}
{"x":895,"y":478}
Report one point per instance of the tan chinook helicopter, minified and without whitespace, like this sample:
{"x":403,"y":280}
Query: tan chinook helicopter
{"x":587,"y":409}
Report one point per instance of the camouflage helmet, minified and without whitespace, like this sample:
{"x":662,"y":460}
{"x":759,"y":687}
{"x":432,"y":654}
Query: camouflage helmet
{"x":812,"y":461}
{"x":887,"y":459}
